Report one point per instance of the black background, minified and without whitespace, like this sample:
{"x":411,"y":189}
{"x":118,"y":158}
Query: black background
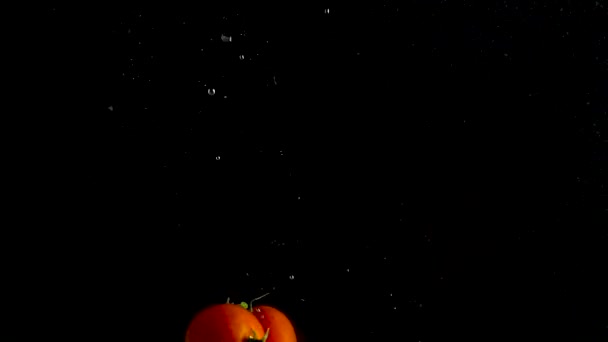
{"x":425,"y":170}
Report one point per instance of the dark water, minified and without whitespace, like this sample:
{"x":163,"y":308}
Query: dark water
{"x":420,"y":171}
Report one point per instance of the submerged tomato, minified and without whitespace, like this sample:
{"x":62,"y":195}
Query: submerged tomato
{"x":224,"y":323}
{"x":281,"y":329}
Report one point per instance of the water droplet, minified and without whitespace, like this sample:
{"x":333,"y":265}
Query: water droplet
{"x":217,"y":158}
{"x":327,"y":11}
{"x":395,"y":308}
{"x":211,"y":91}
{"x":390,"y":294}
{"x":226,"y":39}
{"x":348,"y":270}
{"x":242,"y":57}
{"x":258,"y":310}
{"x":111,"y":108}
{"x":291,"y":277}
{"x":262,"y":317}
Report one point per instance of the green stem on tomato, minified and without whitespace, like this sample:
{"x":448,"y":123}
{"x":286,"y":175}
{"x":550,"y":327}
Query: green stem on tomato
{"x":254,"y":338}
{"x":251,"y":303}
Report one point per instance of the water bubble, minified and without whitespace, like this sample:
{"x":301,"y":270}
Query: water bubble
{"x":211,"y":91}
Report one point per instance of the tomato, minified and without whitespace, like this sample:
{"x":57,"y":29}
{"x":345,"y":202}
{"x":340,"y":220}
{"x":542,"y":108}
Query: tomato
{"x":224,"y":323}
{"x":281,"y":329}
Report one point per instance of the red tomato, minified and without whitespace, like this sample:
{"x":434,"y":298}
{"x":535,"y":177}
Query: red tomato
{"x":224,"y":323}
{"x":281,"y":329}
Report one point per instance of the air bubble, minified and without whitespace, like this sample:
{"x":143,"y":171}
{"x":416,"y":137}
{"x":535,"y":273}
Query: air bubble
{"x":327,"y":11}
{"x":217,"y":158}
{"x":211,"y":91}
{"x":291,"y":277}
{"x":242,"y":57}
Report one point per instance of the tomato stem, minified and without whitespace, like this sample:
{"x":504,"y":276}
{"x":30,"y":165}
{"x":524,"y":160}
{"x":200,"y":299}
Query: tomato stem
{"x":260,"y":297}
{"x":254,"y":338}
{"x":266,"y":335}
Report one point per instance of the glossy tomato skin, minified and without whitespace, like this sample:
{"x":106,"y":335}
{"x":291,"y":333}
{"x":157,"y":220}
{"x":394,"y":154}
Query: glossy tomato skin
{"x":224,"y":323}
{"x":281,"y":329}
